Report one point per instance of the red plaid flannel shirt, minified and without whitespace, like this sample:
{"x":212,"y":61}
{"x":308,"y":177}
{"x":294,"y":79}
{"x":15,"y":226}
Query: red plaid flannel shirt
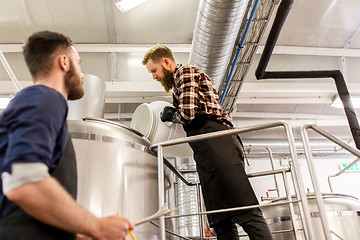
{"x":195,"y":93}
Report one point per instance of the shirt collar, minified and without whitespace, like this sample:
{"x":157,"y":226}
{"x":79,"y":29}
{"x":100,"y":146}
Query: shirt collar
{"x":177,"y":68}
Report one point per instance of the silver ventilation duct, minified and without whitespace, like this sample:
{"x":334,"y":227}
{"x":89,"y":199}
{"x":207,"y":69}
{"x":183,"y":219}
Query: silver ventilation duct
{"x":217,"y":26}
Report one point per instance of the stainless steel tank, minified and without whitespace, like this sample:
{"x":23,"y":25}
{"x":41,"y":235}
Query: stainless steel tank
{"x":117,"y":173}
{"x":92,"y":104}
{"x":342,"y":211}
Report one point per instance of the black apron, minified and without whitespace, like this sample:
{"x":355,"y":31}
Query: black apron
{"x":222,"y":176}
{"x":18,"y":225}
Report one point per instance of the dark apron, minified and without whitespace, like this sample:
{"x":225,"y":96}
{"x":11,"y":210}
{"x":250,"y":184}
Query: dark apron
{"x":222,"y":176}
{"x":18,"y":225}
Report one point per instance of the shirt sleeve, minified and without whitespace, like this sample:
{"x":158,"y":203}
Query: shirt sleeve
{"x":23,"y":173}
{"x":188,"y":89}
{"x":33,"y":121}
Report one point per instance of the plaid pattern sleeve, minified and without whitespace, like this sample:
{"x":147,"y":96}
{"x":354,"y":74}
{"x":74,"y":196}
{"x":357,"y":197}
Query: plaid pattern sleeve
{"x":195,"y":93}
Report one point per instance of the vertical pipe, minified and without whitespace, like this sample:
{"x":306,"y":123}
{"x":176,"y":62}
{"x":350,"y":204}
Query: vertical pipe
{"x":341,"y":88}
{"x":260,"y":73}
{"x":308,"y":228}
{"x":273,"y":168}
{"x":201,"y":223}
{"x":317,"y":190}
{"x":281,"y":15}
{"x":291,"y":205}
{"x":301,"y":209}
{"x":161,"y":190}
{"x":348,"y":107}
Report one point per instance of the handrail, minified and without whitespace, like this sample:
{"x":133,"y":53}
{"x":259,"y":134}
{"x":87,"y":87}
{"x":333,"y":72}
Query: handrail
{"x":178,"y":173}
{"x":317,"y":191}
{"x":232,"y":209}
{"x":272,"y":165}
{"x":333,"y":138}
{"x":308,"y":228}
{"x":341,"y":172}
{"x":217,"y":134}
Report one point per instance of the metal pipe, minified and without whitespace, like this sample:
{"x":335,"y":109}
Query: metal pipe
{"x":201,"y":222}
{"x":317,"y":190}
{"x":272,"y":232}
{"x":291,"y":205}
{"x":241,"y":45}
{"x":341,"y":172}
{"x":273,"y":168}
{"x":308,"y":228}
{"x":178,"y":173}
{"x":265,"y":173}
{"x":10,"y":71}
{"x":217,"y":134}
{"x":233,"y":209}
{"x":161,"y":191}
{"x":341,"y":88}
{"x":170,"y":232}
{"x":281,"y":15}
{"x":334,"y":139}
{"x":298,"y":197}
{"x":112,"y":123}
{"x":260,"y":72}
{"x":308,"y":154}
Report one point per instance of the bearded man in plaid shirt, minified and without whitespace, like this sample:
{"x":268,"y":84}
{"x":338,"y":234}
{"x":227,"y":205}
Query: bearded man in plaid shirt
{"x":219,"y":161}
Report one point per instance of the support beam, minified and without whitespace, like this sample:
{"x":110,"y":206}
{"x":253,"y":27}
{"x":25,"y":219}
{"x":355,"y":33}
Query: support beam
{"x":106,"y":48}
{"x":142,"y":48}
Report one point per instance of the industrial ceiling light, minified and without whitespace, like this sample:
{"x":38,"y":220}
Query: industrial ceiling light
{"x":337,"y":103}
{"x":125,"y":5}
{"x":4,"y":102}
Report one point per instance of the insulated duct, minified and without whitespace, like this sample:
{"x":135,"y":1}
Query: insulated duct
{"x":217,"y":26}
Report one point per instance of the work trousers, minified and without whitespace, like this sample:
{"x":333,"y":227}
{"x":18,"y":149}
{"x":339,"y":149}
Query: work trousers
{"x":252,"y":221}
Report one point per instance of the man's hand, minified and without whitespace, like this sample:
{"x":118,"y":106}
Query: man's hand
{"x":110,"y":228}
{"x":114,"y":227}
{"x":169,"y":115}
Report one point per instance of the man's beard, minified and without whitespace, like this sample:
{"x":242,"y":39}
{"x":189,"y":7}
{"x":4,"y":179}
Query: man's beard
{"x":167,"y":80}
{"x":73,"y":84}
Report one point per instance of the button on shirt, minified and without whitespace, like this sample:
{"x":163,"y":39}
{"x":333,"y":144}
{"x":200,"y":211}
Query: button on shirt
{"x":194,"y":93}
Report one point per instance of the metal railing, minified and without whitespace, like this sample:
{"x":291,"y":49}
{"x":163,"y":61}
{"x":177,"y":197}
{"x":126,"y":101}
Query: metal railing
{"x":313,"y":175}
{"x":341,"y":172}
{"x":295,"y":171}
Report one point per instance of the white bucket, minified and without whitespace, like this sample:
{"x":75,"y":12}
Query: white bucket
{"x":146,"y":119}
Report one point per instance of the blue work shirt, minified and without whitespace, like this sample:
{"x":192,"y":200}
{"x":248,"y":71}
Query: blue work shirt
{"x":33,"y":128}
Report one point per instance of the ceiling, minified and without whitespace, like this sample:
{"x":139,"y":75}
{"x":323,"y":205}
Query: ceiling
{"x":317,"y":35}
